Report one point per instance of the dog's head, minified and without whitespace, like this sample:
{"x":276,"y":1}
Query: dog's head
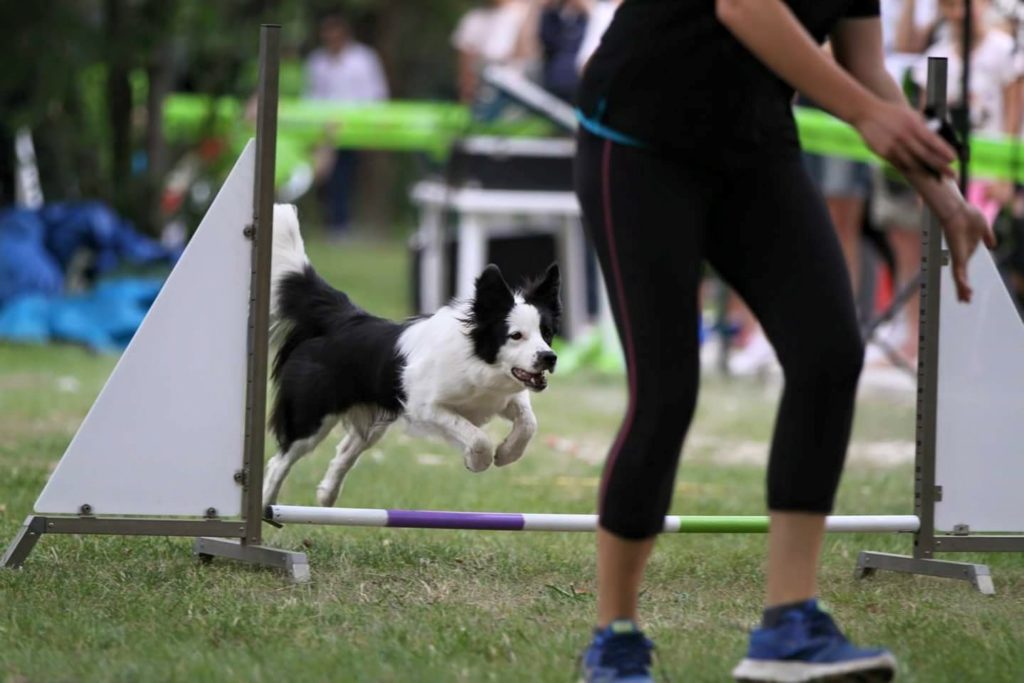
{"x":513,"y":330}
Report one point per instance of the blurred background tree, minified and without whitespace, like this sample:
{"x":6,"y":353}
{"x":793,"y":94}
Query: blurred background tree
{"x":89,"y":78}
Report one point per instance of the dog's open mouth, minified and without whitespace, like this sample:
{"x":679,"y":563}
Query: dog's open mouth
{"x":533,"y":380}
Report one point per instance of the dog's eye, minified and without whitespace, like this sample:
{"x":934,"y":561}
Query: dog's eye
{"x":516,"y":336}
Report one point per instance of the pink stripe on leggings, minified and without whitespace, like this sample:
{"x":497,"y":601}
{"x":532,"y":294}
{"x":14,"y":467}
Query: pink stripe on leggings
{"x":620,"y":294}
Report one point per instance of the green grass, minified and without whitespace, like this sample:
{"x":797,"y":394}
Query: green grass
{"x":405,"y":605}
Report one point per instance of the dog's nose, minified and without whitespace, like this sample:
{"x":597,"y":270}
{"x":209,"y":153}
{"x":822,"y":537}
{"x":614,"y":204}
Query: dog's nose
{"x":546,"y":360}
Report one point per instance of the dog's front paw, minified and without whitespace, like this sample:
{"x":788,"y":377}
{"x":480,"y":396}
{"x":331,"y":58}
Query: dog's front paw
{"x":479,"y":455}
{"x":509,"y":451}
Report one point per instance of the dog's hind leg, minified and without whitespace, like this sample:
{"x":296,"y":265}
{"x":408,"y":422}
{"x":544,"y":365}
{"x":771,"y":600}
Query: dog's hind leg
{"x":277,"y":467}
{"x":365,"y":427}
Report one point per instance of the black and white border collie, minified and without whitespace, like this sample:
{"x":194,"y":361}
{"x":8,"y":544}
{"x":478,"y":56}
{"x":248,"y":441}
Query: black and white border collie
{"x":446,"y":374}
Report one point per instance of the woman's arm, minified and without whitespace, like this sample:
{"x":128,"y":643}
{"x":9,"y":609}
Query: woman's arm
{"x":909,"y":36}
{"x":1013,"y":100}
{"x":769,"y":30}
{"x":906,"y":38}
{"x":466,"y":76}
{"x":857,"y":46}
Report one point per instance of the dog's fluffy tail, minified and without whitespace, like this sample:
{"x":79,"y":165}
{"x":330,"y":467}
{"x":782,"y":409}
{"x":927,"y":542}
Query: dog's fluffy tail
{"x":289,"y":253}
{"x":302,"y":305}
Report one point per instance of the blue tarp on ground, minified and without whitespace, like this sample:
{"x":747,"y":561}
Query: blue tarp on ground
{"x":36,"y":249}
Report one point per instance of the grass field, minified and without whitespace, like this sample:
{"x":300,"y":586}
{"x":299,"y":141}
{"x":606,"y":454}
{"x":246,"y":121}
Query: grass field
{"x":402,"y":605}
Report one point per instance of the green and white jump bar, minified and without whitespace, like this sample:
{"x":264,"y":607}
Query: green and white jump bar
{"x":528,"y":521}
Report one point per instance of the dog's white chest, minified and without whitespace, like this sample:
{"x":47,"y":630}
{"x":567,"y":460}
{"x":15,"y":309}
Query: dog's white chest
{"x":480,"y":406}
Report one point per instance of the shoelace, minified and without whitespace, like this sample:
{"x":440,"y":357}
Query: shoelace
{"x":637,"y":660}
{"x":629,"y":654}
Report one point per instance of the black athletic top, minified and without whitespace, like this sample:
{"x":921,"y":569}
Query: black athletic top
{"x":669,"y":74}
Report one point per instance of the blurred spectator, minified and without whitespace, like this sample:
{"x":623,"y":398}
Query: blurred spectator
{"x":845,"y":185}
{"x":599,"y":19}
{"x":563,"y":24}
{"x":908,"y":28}
{"x":570,"y":31}
{"x":994,"y":80}
{"x":993,"y":100}
{"x":343,"y":70}
{"x":1012,"y":234}
{"x":493,"y":33}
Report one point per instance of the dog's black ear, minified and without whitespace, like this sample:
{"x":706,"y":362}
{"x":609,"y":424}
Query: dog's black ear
{"x":544,"y":294}
{"x":493,"y":298}
{"x":545,"y":291}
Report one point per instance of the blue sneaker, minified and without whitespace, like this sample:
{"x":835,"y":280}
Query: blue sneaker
{"x":618,"y":654}
{"x":805,"y":646}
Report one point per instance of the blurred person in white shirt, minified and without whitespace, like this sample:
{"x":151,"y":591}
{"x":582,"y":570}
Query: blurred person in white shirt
{"x":342,"y":70}
{"x":995,"y":82}
{"x":500,"y":32}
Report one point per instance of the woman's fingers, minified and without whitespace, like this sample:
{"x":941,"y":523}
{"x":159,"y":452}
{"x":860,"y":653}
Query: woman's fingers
{"x":931,"y":150}
{"x":963,"y":289}
{"x":901,"y":136}
{"x":964,"y":230}
{"x":905,"y":160}
{"x":923,"y":156}
{"x":937,"y":147}
{"x":989,"y":237}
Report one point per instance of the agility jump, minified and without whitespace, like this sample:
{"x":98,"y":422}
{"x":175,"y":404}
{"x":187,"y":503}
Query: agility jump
{"x":184,"y":456}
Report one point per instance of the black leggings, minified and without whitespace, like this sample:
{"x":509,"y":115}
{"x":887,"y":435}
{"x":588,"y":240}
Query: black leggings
{"x":654,"y":219}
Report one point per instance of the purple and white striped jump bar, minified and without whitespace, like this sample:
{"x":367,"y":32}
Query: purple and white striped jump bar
{"x":529,"y":521}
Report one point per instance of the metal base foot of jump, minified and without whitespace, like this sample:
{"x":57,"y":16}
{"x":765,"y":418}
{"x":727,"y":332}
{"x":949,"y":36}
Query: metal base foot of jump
{"x":978,"y":574}
{"x":294,"y":564}
{"x":34,"y":526}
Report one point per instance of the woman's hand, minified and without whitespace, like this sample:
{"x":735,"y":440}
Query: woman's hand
{"x":899,"y":135}
{"x":964,"y":227}
{"x":1000,"y":191}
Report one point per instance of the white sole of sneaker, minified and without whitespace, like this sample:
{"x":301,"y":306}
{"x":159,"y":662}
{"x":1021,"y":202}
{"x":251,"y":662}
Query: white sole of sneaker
{"x":868,"y":670}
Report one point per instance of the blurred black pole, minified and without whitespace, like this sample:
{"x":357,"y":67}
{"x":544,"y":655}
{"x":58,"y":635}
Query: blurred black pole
{"x":964,"y":123}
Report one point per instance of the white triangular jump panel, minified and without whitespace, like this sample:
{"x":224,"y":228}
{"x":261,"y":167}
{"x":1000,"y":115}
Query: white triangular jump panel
{"x":165,"y":435}
{"x":980,"y":419}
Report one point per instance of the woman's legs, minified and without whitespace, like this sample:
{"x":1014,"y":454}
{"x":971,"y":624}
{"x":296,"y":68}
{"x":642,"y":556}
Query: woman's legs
{"x":794,"y":545}
{"x":906,"y":245}
{"x":774,"y":243}
{"x":771,"y":238}
{"x":620,"y":570}
{"x":646,"y":217}
{"x":847,"y":214}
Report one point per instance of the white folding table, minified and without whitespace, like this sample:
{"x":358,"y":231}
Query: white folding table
{"x":483,"y":214}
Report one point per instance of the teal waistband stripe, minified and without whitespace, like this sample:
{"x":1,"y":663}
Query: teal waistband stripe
{"x":603,"y":131}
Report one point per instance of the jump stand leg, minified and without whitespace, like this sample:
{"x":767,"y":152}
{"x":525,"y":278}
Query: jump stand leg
{"x":294,"y":564}
{"x":23,"y":543}
{"x":978,"y":574}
